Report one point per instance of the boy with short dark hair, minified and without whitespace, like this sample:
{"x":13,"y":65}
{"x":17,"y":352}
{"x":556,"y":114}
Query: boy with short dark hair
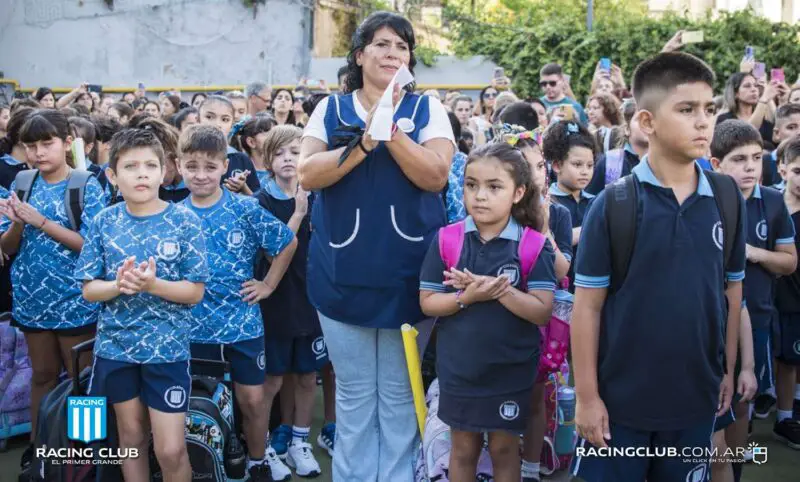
{"x":787,"y":124}
{"x":144,"y":259}
{"x":552,"y":83}
{"x":652,"y":368}
{"x":235,"y":228}
{"x":787,"y":423}
{"x":736,"y":151}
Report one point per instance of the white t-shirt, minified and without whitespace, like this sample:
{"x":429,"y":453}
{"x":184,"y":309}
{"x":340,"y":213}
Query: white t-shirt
{"x":438,"y":124}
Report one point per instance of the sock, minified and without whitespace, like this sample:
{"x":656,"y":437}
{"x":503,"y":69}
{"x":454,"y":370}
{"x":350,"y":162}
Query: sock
{"x":797,"y":392}
{"x":300,"y":434}
{"x":752,"y":406}
{"x":771,"y":392}
{"x":784,"y":414}
{"x":737,"y":471}
{"x":253,"y":462}
{"x":530,"y":469}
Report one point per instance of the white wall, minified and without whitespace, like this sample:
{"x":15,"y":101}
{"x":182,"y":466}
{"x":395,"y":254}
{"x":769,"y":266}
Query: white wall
{"x":158,"y":42}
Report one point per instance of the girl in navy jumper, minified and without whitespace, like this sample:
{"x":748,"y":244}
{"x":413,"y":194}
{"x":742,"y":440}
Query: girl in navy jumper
{"x":488,"y":341}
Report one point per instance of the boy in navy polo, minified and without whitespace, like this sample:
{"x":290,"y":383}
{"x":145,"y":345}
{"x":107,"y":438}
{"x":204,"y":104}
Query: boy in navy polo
{"x":145,"y":260}
{"x":787,"y":124}
{"x":235,"y":228}
{"x":652,"y":368}
{"x":736,"y":150}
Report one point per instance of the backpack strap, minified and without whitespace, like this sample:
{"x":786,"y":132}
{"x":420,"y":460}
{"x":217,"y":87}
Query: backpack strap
{"x":74,"y":201}
{"x":773,"y":205}
{"x":24,"y":183}
{"x":607,"y":140}
{"x":726,"y":195}
{"x":614,"y":161}
{"x":530,"y":247}
{"x":451,"y":240}
{"x":621,"y":211}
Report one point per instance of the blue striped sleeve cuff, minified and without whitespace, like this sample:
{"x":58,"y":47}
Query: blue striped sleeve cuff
{"x":592,"y":281}
{"x":737,"y":276}
{"x":785,"y":241}
{"x":428,"y":286}
{"x":567,"y":256}
{"x":541,"y":286}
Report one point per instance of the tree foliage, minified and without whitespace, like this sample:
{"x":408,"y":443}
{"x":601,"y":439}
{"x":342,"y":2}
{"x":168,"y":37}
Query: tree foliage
{"x":523,"y":35}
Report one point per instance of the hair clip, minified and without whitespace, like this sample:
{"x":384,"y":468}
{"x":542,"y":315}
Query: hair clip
{"x":572,"y":128}
{"x":534,"y":135}
{"x":236,"y":128}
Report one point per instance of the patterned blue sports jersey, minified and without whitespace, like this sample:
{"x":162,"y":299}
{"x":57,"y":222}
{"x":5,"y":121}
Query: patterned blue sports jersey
{"x":454,"y":202}
{"x":234,"y":229}
{"x":263,"y":178}
{"x":45,"y":292}
{"x":144,"y":328}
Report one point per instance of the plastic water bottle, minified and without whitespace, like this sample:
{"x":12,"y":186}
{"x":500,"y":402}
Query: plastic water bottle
{"x":235,"y":458}
{"x":565,"y":433}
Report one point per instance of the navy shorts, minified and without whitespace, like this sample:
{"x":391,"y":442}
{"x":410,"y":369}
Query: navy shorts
{"x":304,"y":354}
{"x":726,"y":419}
{"x":247,"y":358}
{"x":162,"y":386}
{"x":591,"y":468}
{"x":505,"y":413}
{"x":789,"y":339}
{"x":762,"y":354}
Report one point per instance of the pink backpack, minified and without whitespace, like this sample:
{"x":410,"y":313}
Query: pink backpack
{"x":555,"y":334}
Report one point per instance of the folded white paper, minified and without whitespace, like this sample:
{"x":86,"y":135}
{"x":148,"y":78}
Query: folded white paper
{"x":381,"y":128}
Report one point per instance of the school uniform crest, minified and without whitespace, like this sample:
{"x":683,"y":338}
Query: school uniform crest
{"x":511,"y":271}
{"x":169,"y":249}
{"x":175,"y":396}
{"x":318,"y":346}
{"x":697,"y":474}
{"x":236,"y":172}
{"x":235,"y":238}
{"x":796,"y":347}
{"x":761,"y":230}
{"x":717,"y":234}
{"x":262,"y":360}
{"x":406,"y":125}
{"x":509,"y":410}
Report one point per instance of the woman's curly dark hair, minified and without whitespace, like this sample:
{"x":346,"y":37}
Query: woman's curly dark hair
{"x":363,"y":37}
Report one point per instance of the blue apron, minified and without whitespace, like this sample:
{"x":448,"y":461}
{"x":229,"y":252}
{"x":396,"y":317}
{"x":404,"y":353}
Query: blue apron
{"x":371,"y":230}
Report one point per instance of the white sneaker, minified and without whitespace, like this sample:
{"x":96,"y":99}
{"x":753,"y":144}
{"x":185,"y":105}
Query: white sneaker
{"x":280,"y":472}
{"x":301,"y":458}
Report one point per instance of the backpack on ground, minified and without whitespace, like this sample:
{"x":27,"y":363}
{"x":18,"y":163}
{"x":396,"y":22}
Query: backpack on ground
{"x":209,"y":429}
{"x":559,"y":436}
{"x":15,"y":382}
{"x":73,"y":196}
{"x":433,"y":458}
{"x":555,"y":334}
{"x":52,"y":431}
{"x":622,"y":216}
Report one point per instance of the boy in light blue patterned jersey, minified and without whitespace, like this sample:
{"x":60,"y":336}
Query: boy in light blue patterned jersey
{"x":145,"y":259}
{"x":235,"y":228}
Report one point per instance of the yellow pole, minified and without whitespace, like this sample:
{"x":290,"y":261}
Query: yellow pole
{"x":415,"y":373}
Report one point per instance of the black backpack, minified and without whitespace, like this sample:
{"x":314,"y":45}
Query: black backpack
{"x":73,"y":197}
{"x":622,"y":217}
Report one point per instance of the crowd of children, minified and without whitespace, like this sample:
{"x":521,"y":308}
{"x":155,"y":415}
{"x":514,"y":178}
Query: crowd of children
{"x":188,"y":233}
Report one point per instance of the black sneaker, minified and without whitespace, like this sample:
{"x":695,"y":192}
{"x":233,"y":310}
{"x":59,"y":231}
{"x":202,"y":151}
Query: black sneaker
{"x":788,"y":432}
{"x":26,"y":459}
{"x":260,"y":473}
{"x":530,"y":479}
{"x":764,"y":404}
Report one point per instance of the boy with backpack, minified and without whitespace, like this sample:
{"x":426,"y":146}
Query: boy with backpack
{"x":652,"y":369}
{"x":228,"y":320}
{"x":736,"y":151}
{"x":145,"y":260}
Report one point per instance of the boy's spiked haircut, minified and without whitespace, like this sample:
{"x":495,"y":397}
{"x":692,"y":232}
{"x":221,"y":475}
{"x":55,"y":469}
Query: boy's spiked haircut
{"x":127,"y":139}
{"x":785,"y":111}
{"x":664,"y":72}
{"x":203,"y":138}
{"x":732,"y":134}
{"x":789,"y":150}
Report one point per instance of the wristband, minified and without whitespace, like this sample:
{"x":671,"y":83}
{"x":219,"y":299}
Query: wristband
{"x":43,"y":223}
{"x":363,"y":149}
{"x":461,"y":305}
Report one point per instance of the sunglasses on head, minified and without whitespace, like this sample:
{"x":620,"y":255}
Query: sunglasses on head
{"x":548,"y":83}
{"x":489,"y":95}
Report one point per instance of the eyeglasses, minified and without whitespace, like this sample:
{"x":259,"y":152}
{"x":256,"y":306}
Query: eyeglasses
{"x":548,"y":83}
{"x":489,"y":95}
{"x":267,"y":101}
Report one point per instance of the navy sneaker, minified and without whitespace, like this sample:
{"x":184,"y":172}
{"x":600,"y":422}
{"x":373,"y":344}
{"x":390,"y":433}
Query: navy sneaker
{"x":788,"y":432}
{"x":764,"y":404}
{"x":281,"y":438}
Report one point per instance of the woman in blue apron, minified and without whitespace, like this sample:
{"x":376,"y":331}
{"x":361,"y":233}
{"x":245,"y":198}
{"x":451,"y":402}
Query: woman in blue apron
{"x":378,"y":206}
